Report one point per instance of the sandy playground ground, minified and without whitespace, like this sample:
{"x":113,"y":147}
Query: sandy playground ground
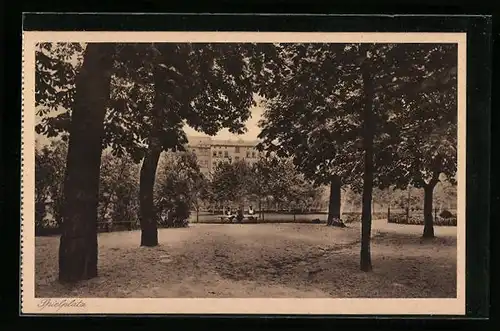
{"x":262,"y":260}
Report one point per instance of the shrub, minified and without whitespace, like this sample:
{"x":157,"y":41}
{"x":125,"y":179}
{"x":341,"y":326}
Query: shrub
{"x":418,"y":219}
{"x":446,"y":214}
{"x":172,"y":213}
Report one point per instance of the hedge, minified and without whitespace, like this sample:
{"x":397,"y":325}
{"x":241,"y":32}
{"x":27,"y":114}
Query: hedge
{"x":419,"y":220}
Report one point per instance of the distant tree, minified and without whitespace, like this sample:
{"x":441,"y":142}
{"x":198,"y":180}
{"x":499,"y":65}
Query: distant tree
{"x":445,"y":195}
{"x":298,"y":192}
{"x":260,"y":183}
{"x":42,"y":184}
{"x":201,"y":194}
{"x":268,"y":180}
{"x":50,"y":162}
{"x":277,"y":178}
{"x":180,"y":185}
{"x":118,"y":191}
{"x":230,"y":182}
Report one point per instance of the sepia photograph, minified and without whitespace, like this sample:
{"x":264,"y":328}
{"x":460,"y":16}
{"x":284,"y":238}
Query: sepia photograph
{"x":233,"y":167}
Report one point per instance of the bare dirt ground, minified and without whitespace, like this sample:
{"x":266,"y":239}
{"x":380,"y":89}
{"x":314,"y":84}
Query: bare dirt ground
{"x":262,"y":260}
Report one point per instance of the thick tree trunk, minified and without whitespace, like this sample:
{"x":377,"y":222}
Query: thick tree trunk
{"x":366,"y":216}
{"x":428,"y":197}
{"x":334,"y":201}
{"x":78,"y":243}
{"x":149,"y":228}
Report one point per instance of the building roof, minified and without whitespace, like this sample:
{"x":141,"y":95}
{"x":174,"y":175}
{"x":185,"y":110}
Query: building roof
{"x":208,"y":141}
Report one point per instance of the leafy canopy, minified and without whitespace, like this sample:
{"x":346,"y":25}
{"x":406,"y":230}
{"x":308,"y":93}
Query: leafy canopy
{"x":206,"y":86}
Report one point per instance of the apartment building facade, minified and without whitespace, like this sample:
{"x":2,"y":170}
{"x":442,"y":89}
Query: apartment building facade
{"x":211,"y":151}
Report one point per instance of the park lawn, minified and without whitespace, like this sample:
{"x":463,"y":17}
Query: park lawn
{"x":262,"y":260}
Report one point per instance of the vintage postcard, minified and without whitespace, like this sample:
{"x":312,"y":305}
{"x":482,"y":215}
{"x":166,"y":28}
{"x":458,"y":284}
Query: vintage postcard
{"x":243,"y":173}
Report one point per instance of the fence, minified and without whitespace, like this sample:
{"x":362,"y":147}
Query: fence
{"x":284,"y":217}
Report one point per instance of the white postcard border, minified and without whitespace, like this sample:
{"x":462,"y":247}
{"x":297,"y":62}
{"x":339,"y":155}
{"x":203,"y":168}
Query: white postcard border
{"x":32,"y":305}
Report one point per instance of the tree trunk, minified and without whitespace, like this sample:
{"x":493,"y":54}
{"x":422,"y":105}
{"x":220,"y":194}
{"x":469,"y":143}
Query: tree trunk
{"x":78,"y":243}
{"x":335,"y":200}
{"x":149,"y":228}
{"x":368,"y":128}
{"x":428,"y":196}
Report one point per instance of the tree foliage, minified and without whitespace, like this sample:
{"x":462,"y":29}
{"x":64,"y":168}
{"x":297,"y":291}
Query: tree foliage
{"x":342,"y":109}
{"x":229,"y":183}
{"x":180,"y":187}
{"x":270,"y":178}
{"x":207,"y":86}
{"x":118,"y":191}
{"x":50,"y":162}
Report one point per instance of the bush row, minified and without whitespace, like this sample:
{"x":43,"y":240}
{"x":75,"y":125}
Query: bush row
{"x":419,"y":220}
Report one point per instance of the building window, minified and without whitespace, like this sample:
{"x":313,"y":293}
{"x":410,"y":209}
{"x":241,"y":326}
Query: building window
{"x":226,"y":154}
{"x":253,"y":154}
{"x":215,"y":154}
{"x":248,"y":154}
{"x":237,"y":149}
{"x":220,"y":153}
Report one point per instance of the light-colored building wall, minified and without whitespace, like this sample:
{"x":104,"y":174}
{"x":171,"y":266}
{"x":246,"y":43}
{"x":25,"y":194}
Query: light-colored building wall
{"x":201,"y":147}
{"x":210,"y":151}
